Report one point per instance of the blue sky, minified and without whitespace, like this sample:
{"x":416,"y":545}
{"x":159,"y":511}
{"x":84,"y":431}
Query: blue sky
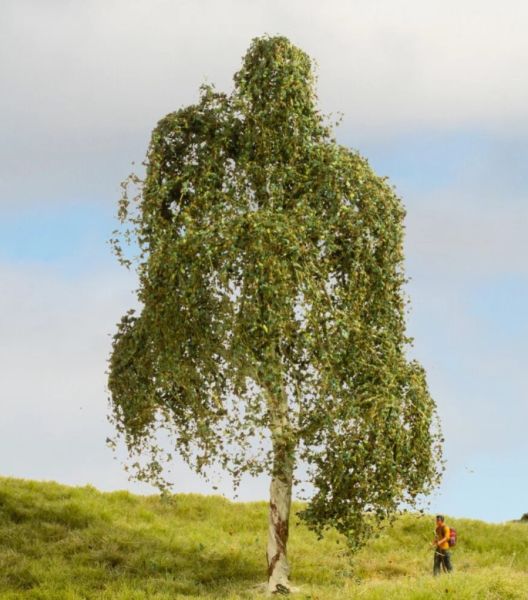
{"x":433,"y":96}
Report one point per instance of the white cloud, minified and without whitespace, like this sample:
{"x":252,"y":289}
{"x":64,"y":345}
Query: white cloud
{"x":118,"y":66}
{"x":87,"y":80}
{"x":55,"y":343}
{"x":448,"y":234}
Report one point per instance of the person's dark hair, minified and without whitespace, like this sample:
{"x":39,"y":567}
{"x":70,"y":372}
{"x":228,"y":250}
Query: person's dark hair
{"x":439,"y":517}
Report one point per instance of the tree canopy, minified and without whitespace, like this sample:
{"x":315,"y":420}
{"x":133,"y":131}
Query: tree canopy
{"x":271,"y":286}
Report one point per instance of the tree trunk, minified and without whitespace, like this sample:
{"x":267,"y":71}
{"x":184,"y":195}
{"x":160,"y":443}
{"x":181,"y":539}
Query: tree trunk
{"x":279,"y":516}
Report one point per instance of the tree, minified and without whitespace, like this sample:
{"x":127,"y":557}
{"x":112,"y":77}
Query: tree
{"x":271,"y":334}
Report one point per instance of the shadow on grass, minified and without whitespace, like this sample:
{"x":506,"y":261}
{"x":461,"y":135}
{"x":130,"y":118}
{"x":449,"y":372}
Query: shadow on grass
{"x":60,"y":544}
{"x":25,"y":509}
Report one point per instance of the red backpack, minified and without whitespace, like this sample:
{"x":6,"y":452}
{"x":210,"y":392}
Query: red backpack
{"x":452,"y":537}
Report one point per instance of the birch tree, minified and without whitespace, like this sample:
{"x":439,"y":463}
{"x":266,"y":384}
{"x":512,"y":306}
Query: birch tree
{"x":271,"y":335}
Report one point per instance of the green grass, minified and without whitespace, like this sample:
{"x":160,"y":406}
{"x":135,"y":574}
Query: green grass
{"x":59,"y":542}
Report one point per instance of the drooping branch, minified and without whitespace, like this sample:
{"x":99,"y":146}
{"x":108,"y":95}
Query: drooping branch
{"x":271,"y":279}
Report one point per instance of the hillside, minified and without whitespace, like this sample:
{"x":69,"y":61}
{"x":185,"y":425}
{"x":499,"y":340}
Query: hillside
{"x":59,"y":542}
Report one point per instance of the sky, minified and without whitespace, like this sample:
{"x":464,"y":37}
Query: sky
{"x":432,"y":93}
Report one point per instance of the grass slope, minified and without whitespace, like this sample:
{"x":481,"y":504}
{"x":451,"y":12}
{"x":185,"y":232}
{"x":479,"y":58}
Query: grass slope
{"x":59,"y":542}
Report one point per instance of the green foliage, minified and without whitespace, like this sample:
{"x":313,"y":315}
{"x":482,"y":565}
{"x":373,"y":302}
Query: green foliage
{"x":63,"y":543}
{"x":270,"y":270}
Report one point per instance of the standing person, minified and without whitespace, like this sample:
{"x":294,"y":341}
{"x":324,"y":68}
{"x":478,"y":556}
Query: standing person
{"x":442,"y":556}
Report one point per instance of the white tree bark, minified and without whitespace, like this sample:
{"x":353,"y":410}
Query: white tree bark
{"x":279,"y":517}
{"x":280,"y":496}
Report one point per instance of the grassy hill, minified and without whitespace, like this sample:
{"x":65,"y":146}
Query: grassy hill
{"x":59,"y":542}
